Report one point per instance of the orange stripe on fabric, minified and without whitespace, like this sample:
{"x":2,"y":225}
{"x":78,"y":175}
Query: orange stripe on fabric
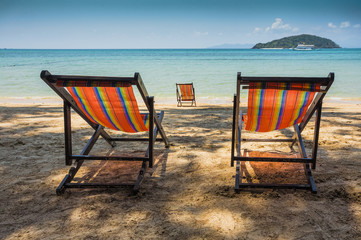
{"x":105,"y":106}
{"x":186,"y":91}
{"x":95,"y":105}
{"x":135,"y":109}
{"x":80,"y":105}
{"x":116,"y":109}
{"x":251,"y":106}
{"x":288,"y":108}
{"x":267,"y":110}
{"x":277,"y":107}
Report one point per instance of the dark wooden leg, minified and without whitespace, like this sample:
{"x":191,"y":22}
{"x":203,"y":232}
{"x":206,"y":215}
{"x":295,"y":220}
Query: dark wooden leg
{"x":301,"y":146}
{"x":238,"y":176}
{"x":67,"y":133}
{"x":302,"y":150}
{"x":140,"y":178}
{"x":155,"y":131}
{"x":310,"y":179}
{"x":151,"y":130}
{"x":239,"y":139}
{"x":316,"y":135}
{"x":233,"y":130}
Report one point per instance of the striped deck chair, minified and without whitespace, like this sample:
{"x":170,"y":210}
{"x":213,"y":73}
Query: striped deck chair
{"x":276,"y":103}
{"x":106,"y":102}
{"x":185,"y":93}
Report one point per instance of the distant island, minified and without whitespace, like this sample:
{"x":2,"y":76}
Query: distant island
{"x":293,"y":41}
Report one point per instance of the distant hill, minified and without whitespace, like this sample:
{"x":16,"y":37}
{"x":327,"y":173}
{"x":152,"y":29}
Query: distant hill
{"x":231,"y":46}
{"x":293,"y":41}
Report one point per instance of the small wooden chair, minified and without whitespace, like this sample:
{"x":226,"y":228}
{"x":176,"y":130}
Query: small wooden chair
{"x":185,"y":93}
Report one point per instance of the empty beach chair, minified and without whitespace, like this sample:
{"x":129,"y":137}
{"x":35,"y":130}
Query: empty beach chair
{"x":276,"y":103}
{"x":106,"y":102}
{"x":185,"y":93}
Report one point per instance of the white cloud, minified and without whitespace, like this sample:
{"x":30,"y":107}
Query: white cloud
{"x":277,"y":25}
{"x":331,"y":25}
{"x":200,"y":34}
{"x":345,"y":24}
{"x":257,"y":29}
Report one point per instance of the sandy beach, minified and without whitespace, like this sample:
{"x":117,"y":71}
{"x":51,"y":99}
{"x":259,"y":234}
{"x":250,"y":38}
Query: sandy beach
{"x":188,"y":194}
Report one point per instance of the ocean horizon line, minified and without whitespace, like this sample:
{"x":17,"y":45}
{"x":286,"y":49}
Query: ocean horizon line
{"x":206,"y":48}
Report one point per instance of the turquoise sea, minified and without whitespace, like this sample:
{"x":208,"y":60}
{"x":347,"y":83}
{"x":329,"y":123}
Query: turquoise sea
{"x":213,"y":71}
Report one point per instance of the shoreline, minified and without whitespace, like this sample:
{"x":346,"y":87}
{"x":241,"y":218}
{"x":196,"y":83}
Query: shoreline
{"x":160,"y":100}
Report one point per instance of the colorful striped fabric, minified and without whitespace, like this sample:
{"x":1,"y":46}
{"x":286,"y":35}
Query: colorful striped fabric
{"x":274,"y":105}
{"x":112,"y":107}
{"x":186,"y":92}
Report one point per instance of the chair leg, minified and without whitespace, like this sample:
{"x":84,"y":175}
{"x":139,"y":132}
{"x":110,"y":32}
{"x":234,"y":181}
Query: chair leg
{"x":68,"y":178}
{"x":140,"y":178}
{"x":316,"y":135}
{"x":67,"y":133}
{"x":61,"y":188}
{"x":238,"y":168}
{"x":233,"y":131}
{"x":310,"y":179}
{"x":151,"y":131}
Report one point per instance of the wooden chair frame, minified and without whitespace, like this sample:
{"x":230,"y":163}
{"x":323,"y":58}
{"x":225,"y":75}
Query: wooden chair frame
{"x":315,"y":107}
{"x":179,"y":96}
{"x":69,"y":102}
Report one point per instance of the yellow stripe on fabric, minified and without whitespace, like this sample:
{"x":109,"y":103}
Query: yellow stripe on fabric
{"x":115,"y":108}
{"x":300,"y":104}
{"x":145,"y":117}
{"x":256,"y":105}
{"x":277,"y":109}
{"x":82,"y":98}
{"x":108,"y":108}
{"x":130,"y":111}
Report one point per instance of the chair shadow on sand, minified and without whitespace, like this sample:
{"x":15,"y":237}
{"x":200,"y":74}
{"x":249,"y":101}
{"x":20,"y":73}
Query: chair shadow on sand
{"x":271,"y":172}
{"x":124,"y":173}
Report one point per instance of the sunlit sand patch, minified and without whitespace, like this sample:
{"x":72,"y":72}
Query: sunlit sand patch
{"x":182,"y":217}
{"x":77,"y":214}
{"x":55,"y":178}
{"x":220,"y":219}
{"x":7,"y":124}
{"x":137,"y":215}
{"x":225,"y":222}
{"x":29,"y":232}
{"x":217,"y":220}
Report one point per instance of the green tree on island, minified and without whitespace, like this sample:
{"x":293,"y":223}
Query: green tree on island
{"x":293,"y":41}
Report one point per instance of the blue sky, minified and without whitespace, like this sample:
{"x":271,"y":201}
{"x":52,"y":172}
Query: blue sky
{"x":173,"y":23}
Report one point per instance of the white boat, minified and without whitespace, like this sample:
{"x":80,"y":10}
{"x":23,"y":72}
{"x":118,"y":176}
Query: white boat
{"x":304,"y":47}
